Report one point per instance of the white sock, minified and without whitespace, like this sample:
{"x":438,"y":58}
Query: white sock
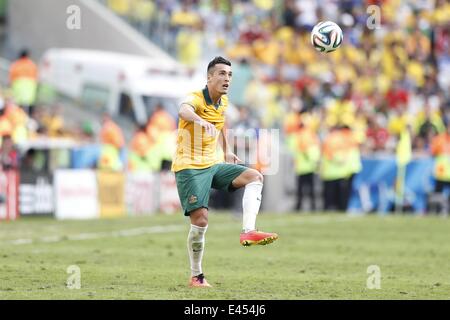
{"x":196,"y":246}
{"x":251,"y":201}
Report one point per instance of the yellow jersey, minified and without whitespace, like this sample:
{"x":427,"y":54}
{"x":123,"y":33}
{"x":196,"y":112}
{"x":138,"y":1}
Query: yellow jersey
{"x":195,"y":148}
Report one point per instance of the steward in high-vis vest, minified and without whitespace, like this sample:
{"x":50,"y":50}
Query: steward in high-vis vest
{"x":112,"y":141}
{"x":335,"y":169}
{"x":354,"y":162}
{"x":305,"y":146}
{"x":161,"y":128}
{"x":23,"y":78}
{"x":440,"y":149}
{"x":142,"y":155}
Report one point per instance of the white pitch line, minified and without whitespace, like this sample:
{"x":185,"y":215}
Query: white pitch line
{"x":158,"y":229}
{"x":99,"y":235}
{"x":21,"y":241}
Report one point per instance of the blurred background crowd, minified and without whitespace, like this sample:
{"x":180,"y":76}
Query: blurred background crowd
{"x":382,"y":79}
{"x":390,"y":76}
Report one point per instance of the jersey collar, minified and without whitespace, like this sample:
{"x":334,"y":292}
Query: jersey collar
{"x":209,"y":100}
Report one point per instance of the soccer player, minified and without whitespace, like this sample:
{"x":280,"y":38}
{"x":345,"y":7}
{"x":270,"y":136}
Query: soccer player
{"x":198,"y":169}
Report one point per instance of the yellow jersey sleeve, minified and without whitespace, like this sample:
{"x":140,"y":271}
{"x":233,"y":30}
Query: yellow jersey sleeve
{"x":191,"y":100}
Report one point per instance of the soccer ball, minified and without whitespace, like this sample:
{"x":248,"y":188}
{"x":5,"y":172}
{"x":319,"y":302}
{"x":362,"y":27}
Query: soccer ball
{"x":326,"y":36}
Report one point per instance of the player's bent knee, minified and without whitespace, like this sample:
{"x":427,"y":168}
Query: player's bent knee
{"x":199,"y":217}
{"x":202,"y":222}
{"x":255,"y":176}
{"x":260,"y":177}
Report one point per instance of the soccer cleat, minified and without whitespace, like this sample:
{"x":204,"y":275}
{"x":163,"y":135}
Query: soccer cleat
{"x":257,"y":237}
{"x":199,"y":282}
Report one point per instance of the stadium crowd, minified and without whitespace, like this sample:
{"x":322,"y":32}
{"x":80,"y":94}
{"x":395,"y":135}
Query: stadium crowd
{"x":390,"y":76}
{"x":379,"y":81}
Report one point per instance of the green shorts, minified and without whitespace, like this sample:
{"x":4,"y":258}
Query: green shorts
{"x":194,"y":185}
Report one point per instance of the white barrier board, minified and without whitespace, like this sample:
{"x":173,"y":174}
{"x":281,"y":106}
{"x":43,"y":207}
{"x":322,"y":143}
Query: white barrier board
{"x":76,"y":194}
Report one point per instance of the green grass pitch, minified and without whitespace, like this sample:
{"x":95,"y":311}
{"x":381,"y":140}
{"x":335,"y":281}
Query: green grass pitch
{"x":320,"y":256}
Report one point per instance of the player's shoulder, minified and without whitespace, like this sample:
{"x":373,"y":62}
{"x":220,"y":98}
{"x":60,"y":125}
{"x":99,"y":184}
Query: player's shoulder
{"x":193,"y":98}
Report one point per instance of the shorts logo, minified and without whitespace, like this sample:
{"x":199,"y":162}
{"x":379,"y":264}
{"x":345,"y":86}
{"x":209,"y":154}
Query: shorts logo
{"x":192,"y":199}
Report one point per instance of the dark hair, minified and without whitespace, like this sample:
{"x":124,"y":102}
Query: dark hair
{"x":24,"y":53}
{"x":7,"y":137}
{"x":218,"y":60}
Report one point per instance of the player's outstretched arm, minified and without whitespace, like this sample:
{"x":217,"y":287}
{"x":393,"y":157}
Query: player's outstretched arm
{"x":187,"y":113}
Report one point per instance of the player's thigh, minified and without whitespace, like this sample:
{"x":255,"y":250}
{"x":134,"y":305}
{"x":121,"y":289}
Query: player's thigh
{"x":225,"y":174}
{"x":194,"y":186}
